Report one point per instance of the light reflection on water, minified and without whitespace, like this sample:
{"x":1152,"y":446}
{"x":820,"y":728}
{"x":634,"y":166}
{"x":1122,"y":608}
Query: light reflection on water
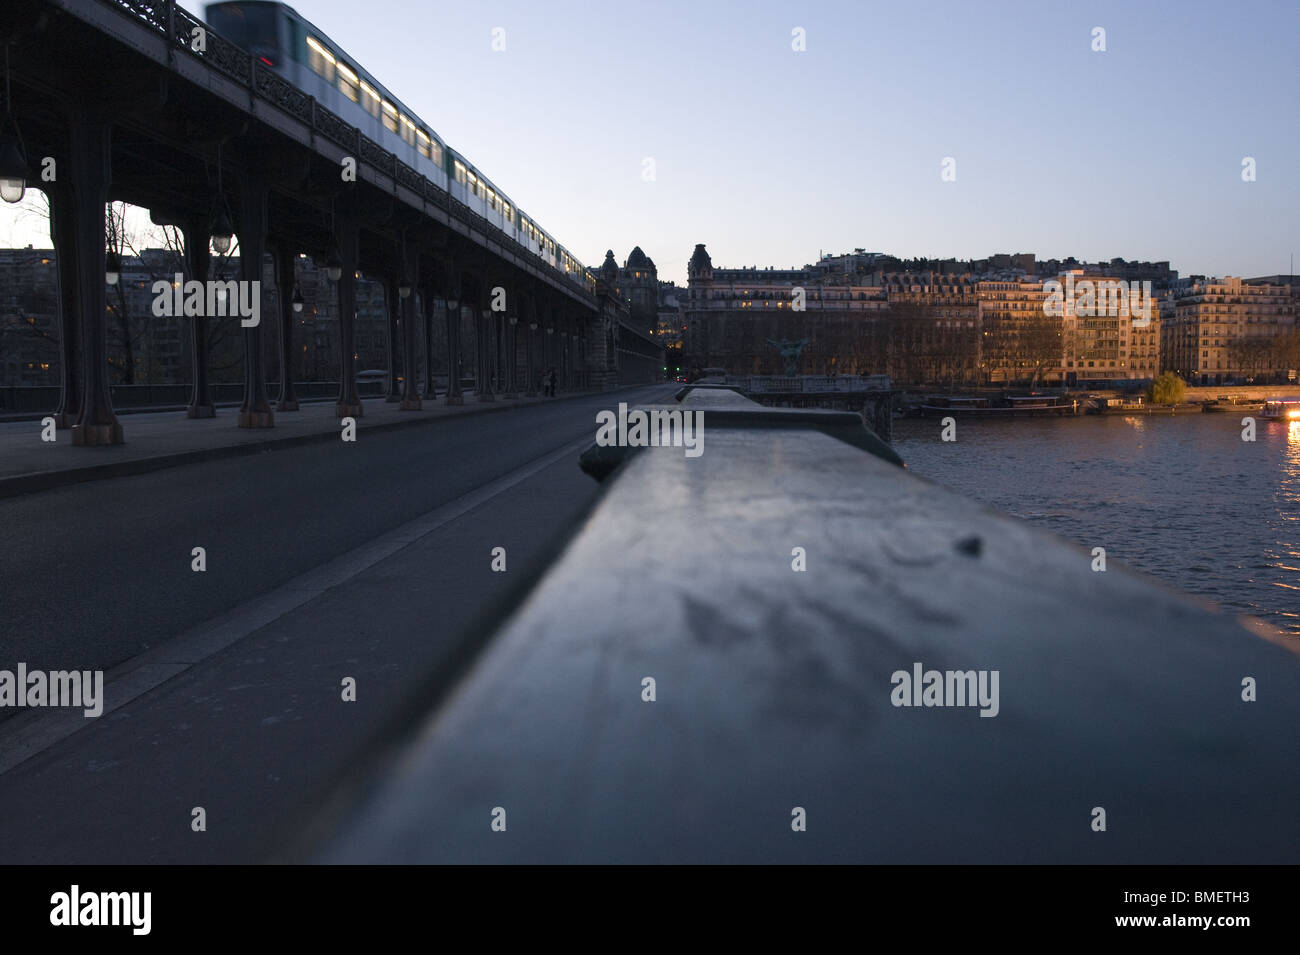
{"x":1180,"y":497}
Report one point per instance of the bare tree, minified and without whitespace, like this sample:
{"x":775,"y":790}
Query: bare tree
{"x":1285,"y":351}
{"x":1023,"y":345}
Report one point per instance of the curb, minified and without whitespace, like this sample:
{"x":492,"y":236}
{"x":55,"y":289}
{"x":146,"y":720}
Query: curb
{"x":10,"y":417}
{"x":48,"y":480}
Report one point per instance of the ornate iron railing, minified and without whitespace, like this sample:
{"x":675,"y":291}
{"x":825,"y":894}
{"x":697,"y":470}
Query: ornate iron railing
{"x":283,"y":94}
{"x":221,"y":54}
{"x":154,"y":14}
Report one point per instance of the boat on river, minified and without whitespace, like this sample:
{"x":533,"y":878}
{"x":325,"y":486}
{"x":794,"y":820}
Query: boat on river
{"x":1282,"y":409}
{"x":1234,"y":403}
{"x":1127,"y":404}
{"x":1007,"y":406}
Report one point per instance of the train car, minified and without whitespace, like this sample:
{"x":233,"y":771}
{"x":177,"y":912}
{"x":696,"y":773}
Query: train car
{"x":471,"y":187}
{"x":294,"y":48}
{"x":305,"y":56}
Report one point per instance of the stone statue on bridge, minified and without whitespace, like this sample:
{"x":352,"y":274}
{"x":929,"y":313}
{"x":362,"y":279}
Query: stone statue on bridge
{"x":790,"y":352}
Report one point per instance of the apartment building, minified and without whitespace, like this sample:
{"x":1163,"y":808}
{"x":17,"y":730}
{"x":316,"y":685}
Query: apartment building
{"x":1228,"y":330}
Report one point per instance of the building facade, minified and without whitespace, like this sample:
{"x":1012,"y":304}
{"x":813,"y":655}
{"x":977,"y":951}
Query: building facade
{"x":1110,"y":332}
{"x":29,"y":317}
{"x":1229,"y":330}
{"x":733,"y":316}
{"x":927,"y":322}
{"x":624,"y":351}
{"x":636,"y":284}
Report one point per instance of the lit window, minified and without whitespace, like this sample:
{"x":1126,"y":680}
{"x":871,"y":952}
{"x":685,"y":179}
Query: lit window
{"x":320,"y":59}
{"x":370,"y":99}
{"x":348,"y":83}
{"x":390,"y":117}
{"x":423,"y":143}
{"x":408,"y":131}
{"x":460,"y":172}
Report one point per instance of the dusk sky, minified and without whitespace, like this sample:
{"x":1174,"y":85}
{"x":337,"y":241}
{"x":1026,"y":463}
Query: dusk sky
{"x":769,"y":155}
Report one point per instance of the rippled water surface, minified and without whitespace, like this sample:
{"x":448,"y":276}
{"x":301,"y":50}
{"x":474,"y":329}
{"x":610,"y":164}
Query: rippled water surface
{"x":1182,"y":497}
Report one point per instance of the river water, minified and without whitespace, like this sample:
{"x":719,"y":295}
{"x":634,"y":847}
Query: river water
{"x":1180,"y":497}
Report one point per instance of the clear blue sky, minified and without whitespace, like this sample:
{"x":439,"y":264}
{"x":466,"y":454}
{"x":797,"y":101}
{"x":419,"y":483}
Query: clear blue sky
{"x":770,"y":155}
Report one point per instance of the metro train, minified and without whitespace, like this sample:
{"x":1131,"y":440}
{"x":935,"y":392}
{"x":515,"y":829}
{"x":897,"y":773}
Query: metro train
{"x":305,"y":56}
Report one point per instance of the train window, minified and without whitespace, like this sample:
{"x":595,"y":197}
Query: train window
{"x":320,"y":59}
{"x":509,"y":212}
{"x":460,"y":172}
{"x":348,"y":83}
{"x":370,"y":99}
{"x":437,"y":154}
{"x":473,"y":182}
{"x":390,"y":117}
{"x":408,"y":130}
{"x":423,"y":143}
{"x":492,"y":198}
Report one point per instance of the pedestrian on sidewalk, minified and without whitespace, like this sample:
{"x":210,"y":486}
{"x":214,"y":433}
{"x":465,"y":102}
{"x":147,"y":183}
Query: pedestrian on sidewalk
{"x":551,"y":381}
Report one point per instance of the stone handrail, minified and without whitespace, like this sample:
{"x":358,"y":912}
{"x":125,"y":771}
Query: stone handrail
{"x":714,"y":671}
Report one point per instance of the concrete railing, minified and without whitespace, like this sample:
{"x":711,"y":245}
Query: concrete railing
{"x":785,"y":649}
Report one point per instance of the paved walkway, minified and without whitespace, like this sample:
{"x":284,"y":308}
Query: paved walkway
{"x":243,"y":714}
{"x":166,"y":439}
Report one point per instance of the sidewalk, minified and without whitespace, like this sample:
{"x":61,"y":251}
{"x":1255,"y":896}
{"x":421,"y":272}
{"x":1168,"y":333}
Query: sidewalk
{"x":243,"y":713}
{"x":167,"y":439}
